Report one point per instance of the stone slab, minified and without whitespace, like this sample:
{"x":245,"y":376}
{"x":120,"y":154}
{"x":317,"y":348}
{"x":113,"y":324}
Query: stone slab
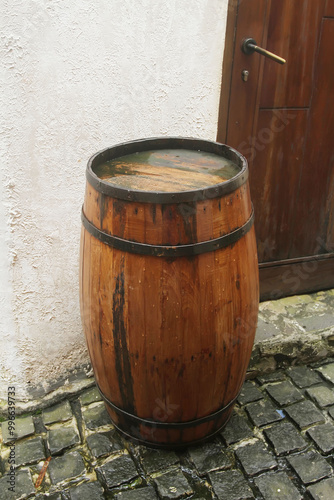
{"x":172,"y":485}
{"x":91,"y":395}
{"x":236,"y":429}
{"x":29,"y":451}
{"x":323,"y":436}
{"x":57,"y":413}
{"x":62,"y":438}
{"x":95,"y":416}
{"x":327,"y":371}
{"x":310,"y":466}
{"x":305,"y":414}
{"x":66,"y":467}
{"x":23,"y":427}
{"x":22,"y":484}
{"x":117,"y":471}
{"x":255,"y":458}
{"x":322,"y":490}
{"x":209,"y":457}
{"x":323,"y":396}
{"x":303,"y":376}
{"x":263,"y":413}
{"x":230,"y":485}
{"x":102,"y":444}
{"x":284,"y":393}
{"x":87,"y":491}
{"x":285,"y":438}
{"x":249,"y":393}
{"x":277,"y":486}
{"x":155,"y":460}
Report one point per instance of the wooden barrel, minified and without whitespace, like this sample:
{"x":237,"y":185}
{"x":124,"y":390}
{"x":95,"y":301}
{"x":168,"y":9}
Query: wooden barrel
{"x":169,"y":285}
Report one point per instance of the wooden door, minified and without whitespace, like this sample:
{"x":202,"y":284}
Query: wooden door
{"x":282,"y":120}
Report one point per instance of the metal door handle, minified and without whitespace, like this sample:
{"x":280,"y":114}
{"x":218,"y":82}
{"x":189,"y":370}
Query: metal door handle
{"x":249,"y":46}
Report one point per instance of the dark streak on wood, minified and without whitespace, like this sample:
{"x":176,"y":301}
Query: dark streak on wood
{"x":121,"y":349}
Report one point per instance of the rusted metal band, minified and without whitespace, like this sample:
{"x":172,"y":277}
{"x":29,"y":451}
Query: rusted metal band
{"x":168,"y":250}
{"x":140,"y":145}
{"x":156,"y":424}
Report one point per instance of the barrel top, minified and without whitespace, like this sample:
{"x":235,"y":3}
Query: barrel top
{"x":167,"y":170}
{"x":160,"y":168}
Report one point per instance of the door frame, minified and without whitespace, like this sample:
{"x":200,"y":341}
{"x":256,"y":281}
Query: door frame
{"x":279,"y":278}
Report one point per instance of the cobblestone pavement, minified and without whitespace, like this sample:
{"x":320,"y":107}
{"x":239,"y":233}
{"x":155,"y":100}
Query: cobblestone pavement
{"x":279,"y":443}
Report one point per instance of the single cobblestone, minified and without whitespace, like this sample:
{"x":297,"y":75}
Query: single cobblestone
{"x":236,"y":429}
{"x":24,"y":426}
{"x":29,"y":451}
{"x":277,"y":486}
{"x":119,"y":470}
{"x":331,"y":412}
{"x":172,"y":485}
{"x":255,"y":458}
{"x":305,"y":414}
{"x":285,"y":438}
{"x":323,"y":436}
{"x":284,"y":393}
{"x":91,"y":395}
{"x":58,"y":413}
{"x":322,"y":395}
{"x":327,"y":371}
{"x":323,"y":490}
{"x":230,"y":485}
{"x":68,"y":466}
{"x":146,"y":493}
{"x":23,"y":486}
{"x":95,"y":416}
{"x":310,"y":466}
{"x":263,"y":413}
{"x":249,"y":393}
{"x":62,"y":438}
{"x":303,"y":376}
{"x":209,"y":457}
{"x":87,"y":491}
{"x":101,"y":445}
{"x":155,"y":460}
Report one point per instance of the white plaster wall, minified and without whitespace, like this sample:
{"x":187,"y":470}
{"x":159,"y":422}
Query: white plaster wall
{"x":77,"y":77}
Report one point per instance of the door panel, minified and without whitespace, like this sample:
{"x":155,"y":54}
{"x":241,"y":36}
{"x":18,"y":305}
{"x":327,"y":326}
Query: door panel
{"x":329,"y":12}
{"x":275,"y":178}
{"x":293,"y":33}
{"x":314,"y":223}
{"x":282,"y":120}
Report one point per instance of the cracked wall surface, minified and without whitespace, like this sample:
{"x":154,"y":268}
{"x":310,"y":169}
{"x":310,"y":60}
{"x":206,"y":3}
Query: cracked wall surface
{"x":78,"y":77}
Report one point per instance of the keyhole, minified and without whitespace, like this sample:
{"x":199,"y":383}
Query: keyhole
{"x":245,"y":75}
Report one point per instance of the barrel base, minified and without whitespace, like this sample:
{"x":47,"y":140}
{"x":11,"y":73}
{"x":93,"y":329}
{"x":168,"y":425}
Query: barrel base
{"x":171,"y":446}
{"x":168,"y":435}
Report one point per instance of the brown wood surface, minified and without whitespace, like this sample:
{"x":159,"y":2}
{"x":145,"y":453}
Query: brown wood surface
{"x":169,"y":338}
{"x":287,"y":130}
{"x":242,"y":104}
{"x":329,"y":11}
{"x":293,"y":33}
{"x":296,"y":278}
{"x":314,"y":212}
